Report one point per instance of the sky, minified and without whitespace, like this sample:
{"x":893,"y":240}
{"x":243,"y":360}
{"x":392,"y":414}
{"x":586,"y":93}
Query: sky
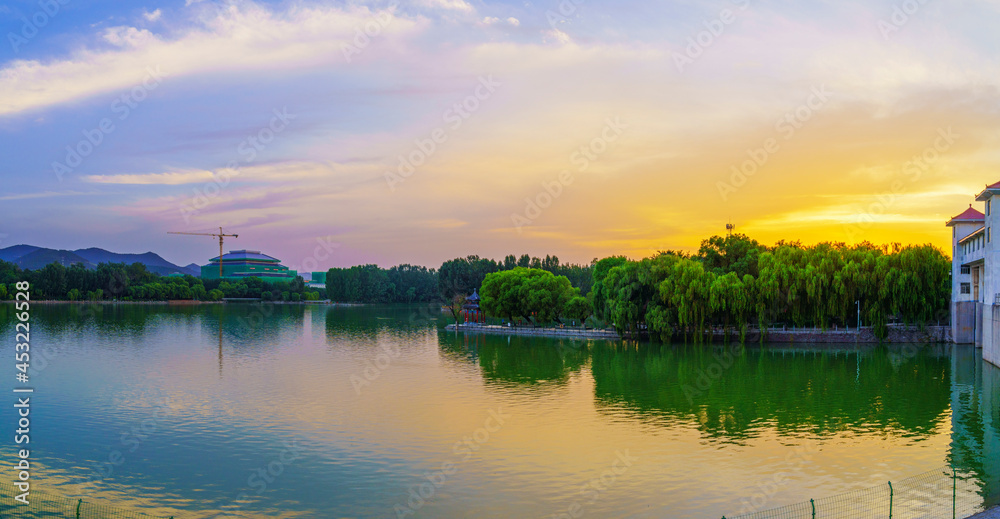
{"x":330,"y":134}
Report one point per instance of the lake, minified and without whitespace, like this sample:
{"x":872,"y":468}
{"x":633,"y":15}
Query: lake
{"x":318,"y":411}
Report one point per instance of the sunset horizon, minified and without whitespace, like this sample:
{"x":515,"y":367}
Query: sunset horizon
{"x":418,"y":132}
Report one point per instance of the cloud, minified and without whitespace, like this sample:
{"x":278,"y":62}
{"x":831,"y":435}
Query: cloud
{"x":128,"y":36}
{"x":222,"y":40}
{"x":153,"y":16}
{"x":557,"y":36}
{"x":45,"y":194}
{"x":454,"y":5}
{"x":169,"y":179}
{"x":264,"y":173}
{"x":493,"y":20}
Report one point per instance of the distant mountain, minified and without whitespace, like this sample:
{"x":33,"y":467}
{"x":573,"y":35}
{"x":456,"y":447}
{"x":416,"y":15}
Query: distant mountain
{"x":152,"y":261}
{"x":12,"y":253}
{"x":38,"y":258}
{"x":34,"y":258}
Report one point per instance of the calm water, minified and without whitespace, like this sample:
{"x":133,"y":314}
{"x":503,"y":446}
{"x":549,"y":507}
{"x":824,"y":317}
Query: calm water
{"x":288,"y":411}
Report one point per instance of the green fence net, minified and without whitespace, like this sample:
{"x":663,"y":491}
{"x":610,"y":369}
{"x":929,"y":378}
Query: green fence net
{"x":938,"y":494}
{"x":52,"y":505}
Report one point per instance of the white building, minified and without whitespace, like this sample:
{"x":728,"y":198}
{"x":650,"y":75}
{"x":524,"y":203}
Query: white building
{"x":975,"y":280}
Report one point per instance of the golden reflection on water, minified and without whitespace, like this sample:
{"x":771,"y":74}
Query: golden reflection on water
{"x":377,"y":403}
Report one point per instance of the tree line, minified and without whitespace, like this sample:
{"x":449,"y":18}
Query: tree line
{"x":732,"y":282}
{"x":373,"y":284}
{"x":119,"y":281}
{"x":735,"y":283}
{"x":455,"y":279}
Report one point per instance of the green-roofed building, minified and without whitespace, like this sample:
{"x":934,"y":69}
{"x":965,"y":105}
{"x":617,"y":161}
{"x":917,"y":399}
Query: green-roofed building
{"x":238,"y":264}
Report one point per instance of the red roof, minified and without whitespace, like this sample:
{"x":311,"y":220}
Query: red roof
{"x":988,"y":192}
{"x":970,"y":215}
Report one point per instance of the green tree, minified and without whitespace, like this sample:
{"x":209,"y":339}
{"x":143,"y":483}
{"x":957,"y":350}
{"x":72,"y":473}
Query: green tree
{"x":461,"y":276}
{"x":688,"y":289}
{"x":737,"y":253}
{"x":579,"y":308}
{"x":599,"y":272}
{"x":533,"y":294}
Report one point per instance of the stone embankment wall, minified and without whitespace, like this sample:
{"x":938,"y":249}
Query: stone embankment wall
{"x":575,"y":333}
{"x":897,"y":334}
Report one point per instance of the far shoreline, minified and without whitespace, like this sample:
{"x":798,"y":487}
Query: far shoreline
{"x":183,"y":302}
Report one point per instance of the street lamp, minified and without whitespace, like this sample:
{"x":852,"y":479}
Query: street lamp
{"x":858,"y":302}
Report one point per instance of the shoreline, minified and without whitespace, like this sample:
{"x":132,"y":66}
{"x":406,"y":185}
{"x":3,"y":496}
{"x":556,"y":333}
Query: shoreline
{"x":573,"y":333}
{"x":181,"y":302}
{"x":897,"y":334}
{"x":992,"y":513}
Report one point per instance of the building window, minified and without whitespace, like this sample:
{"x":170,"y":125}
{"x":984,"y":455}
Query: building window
{"x":988,"y":206}
{"x":966,"y":269}
{"x":966,"y":288}
{"x":987,"y":235}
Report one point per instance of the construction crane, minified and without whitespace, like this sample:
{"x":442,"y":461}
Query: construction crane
{"x":220,"y":235}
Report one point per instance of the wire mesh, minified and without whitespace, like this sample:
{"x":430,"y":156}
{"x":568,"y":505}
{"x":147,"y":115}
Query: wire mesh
{"x":48,"y":505}
{"x":937,"y":494}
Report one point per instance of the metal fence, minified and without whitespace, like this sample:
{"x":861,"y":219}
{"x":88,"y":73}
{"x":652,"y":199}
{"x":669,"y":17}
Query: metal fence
{"x":937,"y":494}
{"x":45,"y":505}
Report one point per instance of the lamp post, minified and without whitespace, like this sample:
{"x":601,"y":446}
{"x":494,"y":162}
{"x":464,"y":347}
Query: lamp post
{"x":858,"y":302}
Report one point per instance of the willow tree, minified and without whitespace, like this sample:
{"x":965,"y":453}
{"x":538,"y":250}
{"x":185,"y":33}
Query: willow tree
{"x":600,"y":292}
{"x":730,"y":299}
{"x":688,"y":289}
